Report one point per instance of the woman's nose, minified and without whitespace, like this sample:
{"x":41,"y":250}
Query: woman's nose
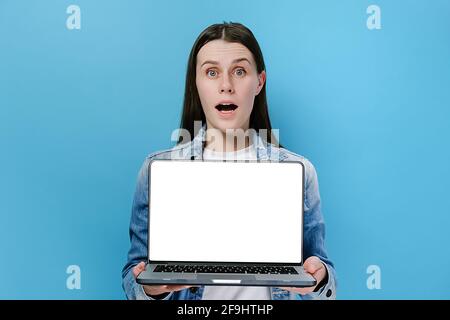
{"x":226,"y":85}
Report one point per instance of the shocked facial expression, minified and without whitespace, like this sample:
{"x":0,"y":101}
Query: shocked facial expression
{"x":227,"y":82}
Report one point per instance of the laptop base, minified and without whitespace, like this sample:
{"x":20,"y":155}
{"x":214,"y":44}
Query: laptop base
{"x":302,"y":279}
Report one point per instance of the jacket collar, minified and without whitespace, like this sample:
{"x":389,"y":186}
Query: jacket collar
{"x":264,"y":151}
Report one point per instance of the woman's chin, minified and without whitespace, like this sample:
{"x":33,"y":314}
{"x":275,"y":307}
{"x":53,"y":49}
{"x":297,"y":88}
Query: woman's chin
{"x":229,"y":127}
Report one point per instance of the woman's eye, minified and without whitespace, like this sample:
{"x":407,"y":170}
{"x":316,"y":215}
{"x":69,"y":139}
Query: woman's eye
{"x":212,"y":73}
{"x":240,"y":72}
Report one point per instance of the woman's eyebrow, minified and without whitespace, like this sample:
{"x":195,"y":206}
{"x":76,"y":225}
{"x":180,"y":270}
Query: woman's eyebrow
{"x":242,"y":59}
{"x":209,"y":62}
{"x":234,"y":61}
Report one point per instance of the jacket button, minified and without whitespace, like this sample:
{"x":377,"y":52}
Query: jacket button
{"x":329,"y":292}
{"x":193,"y":289}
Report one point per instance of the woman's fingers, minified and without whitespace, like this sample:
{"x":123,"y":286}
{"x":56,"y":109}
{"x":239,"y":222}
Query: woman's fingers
{"x":312,"y":265}
{"x":138,"y":269}
{"x":316,"y":268}
{"x":157,"y":290}
{"x":176,"y":287}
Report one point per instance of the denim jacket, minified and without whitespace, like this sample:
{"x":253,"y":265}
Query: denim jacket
{"x":313,"y":232}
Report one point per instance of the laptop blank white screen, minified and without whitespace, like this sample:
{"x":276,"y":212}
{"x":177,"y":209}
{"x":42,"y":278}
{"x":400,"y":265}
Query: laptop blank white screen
{"x":226,"y":211}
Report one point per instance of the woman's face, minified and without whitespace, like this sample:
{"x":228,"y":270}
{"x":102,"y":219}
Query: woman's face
{"x":227,"y":82}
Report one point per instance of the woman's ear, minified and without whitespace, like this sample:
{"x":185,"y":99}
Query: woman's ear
{"x":261,"y":81}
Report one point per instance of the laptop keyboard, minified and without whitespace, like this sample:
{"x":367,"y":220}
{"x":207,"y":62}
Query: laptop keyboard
{"x":225,"y":269}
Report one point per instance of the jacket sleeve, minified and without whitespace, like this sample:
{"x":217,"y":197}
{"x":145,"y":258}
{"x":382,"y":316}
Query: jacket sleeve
{"x":138,"y":237}
{"x":314,"y":233}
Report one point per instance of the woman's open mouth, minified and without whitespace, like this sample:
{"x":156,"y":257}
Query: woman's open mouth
{"x":226,"y":110}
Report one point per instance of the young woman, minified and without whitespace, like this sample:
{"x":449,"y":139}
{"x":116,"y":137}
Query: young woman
{"x":225,"y":99}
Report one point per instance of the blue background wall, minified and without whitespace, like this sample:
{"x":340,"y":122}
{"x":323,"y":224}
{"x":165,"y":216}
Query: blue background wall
{"x":80,"y":110}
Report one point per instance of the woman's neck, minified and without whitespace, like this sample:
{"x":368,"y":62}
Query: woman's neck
{"x":232,"y":140}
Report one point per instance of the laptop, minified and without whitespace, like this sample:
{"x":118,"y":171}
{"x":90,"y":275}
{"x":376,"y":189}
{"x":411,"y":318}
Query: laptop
{"x":225,"y":223}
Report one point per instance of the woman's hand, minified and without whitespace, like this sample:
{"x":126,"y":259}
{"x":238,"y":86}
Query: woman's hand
{"x":317,"y":269}
{"x":156,"y":290}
